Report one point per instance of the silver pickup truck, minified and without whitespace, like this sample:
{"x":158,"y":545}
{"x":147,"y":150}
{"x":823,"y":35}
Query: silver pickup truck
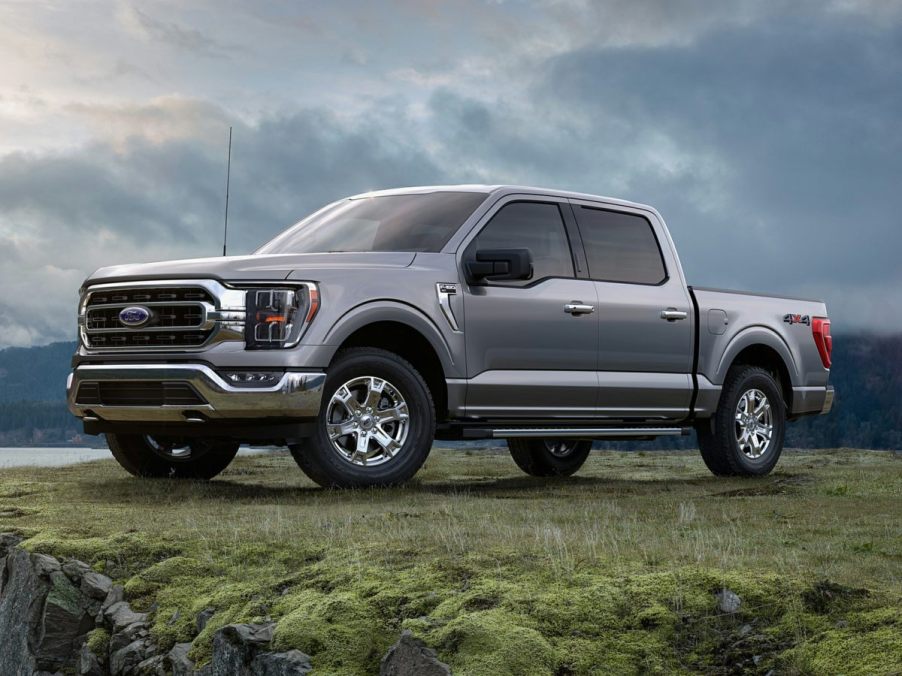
{"x":389,"y":319}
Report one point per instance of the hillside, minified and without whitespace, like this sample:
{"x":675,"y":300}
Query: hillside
{"x":614,"y":571}
{"x":867,"y":374}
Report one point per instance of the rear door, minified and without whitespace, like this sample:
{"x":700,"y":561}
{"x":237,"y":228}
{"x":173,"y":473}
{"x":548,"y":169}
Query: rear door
{"x":530,"y":353}
{"x":644,"y":313}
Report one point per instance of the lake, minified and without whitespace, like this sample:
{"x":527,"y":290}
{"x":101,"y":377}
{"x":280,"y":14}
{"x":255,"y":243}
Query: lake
{"x":57,"y":457}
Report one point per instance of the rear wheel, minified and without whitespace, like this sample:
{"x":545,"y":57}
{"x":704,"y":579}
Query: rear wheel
{"x":745,"y":435}
{"x":376,"y":424}
{"x":549,"y":457}
{"x":154,"y":456}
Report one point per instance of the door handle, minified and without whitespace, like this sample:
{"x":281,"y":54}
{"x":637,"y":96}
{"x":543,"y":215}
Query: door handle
{"x":576,"y":308}
{"x":671,"y":314}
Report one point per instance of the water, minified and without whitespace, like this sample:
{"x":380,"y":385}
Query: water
{"x":57,"y":457}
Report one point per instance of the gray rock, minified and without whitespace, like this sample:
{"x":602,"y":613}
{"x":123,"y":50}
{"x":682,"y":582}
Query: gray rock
{"x":7,"y":542}
{"x":87,"y":663}
{"x":410,"y":657}
{"x":114,"y":596}
{"x":727,"y":601}
{"x":203,"y":617}
{"x":120,"y":615}
{"x":74,"y":569}
{"x":290,"y":663}
{"x":128,"y":635}
{"x":236,"y":645}
{"x":95,"y":585}
{"x":125,"y":660}
{"x":43,"y":619}
{"x":152,"y":665}
{"x":178,"y":661}
{"x":745,"y":630}
{"x":44,"y":564}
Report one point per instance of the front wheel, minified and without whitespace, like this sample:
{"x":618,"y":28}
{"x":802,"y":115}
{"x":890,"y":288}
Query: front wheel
{"x":376,"y":424}
{"x":549,"y":457}
{"x":745,"y":435}
{"x":169,"y":457}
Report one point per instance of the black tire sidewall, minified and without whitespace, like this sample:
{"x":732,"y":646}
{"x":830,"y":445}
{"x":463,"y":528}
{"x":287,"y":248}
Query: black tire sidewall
{"x":322,"y":463}
{"x":725,"y":427}
{"x":534,"y":458}
{"x":136,"y":456}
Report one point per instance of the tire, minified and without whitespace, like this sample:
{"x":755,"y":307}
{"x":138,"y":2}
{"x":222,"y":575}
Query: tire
{"x":162,"y":457}
{"x":747,"y":389}
{"x":383,"y":446}
{"x":549,"y":457}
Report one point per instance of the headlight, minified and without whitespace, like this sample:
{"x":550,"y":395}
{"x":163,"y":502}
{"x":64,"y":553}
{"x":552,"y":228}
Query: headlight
{"x":277,"y":317}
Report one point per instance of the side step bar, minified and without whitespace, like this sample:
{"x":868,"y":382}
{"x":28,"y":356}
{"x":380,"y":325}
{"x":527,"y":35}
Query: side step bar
{"x":581,"y":432}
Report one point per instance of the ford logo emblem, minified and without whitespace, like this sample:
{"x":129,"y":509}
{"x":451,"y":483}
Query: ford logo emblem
{"x":134,"y":316}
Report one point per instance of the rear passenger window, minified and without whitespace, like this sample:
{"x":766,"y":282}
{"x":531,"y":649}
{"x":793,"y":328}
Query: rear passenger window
{"x":536,"y":226}
{"x":620,"y":247}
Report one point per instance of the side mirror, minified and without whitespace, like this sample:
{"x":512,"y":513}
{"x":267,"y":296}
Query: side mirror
{"x":499,"y":264}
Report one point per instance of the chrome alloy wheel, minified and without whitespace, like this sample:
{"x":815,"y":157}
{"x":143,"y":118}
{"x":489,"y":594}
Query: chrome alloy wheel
{"x":173,"y":449}
{"x":561,"y":448}
{"x":754,"y":423}
{"x":367,"y":421}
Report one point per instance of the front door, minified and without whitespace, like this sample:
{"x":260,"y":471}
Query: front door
{"x":531,"y":344}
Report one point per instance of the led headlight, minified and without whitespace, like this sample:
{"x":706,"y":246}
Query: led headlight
{"x":277,"y":317}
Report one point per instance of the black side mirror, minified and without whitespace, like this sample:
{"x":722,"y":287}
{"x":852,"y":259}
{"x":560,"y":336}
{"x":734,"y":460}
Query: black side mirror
{"x":499,"y":264}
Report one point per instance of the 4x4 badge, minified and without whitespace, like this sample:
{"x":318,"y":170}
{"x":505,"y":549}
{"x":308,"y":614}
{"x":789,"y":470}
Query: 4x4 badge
{"x":797,"y":319}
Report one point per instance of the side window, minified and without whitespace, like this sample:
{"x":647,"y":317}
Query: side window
{"x":620,"y":247}
{"x":536,"y":226}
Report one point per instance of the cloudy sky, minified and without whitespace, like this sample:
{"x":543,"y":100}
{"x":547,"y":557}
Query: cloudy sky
{"x":769,"y":134}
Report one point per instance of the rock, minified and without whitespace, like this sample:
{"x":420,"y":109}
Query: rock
{"x":7,"y":542}
{"x":745,"y":630}
{"x":727,"y":601}
{"x":44,"y":564}
{"x":74,"y":569}
{"x":43,"y":619}
{"x":290,"y":663}
{"x":152,"y":665}
{"x":178,"y":661}
{"x":114,"y":596}
{"x":125,"y":660}
{"x":128,"y":635}
{"x":87,"y":664}
{"x":95,"y":585}
{"x":411,"y":657}
{"x":120,"y":615}
{"x":203,"y":617}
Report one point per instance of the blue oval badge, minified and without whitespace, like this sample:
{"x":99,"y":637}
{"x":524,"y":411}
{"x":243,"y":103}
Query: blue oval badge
{"x":135,"y":315}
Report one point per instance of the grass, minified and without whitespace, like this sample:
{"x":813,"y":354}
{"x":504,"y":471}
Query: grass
{"x":611,"y":571}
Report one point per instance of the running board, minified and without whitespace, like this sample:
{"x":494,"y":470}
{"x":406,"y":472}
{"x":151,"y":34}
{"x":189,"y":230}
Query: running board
{"x":585,"y":432}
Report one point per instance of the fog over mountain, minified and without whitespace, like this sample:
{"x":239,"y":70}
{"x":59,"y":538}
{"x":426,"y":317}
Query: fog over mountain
{"x":768,"y":134}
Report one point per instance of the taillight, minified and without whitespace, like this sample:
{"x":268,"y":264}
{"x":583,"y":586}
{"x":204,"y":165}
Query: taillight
{"x":820,"y":327}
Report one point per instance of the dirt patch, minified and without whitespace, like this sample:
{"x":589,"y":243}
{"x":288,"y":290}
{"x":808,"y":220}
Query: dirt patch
{"x":777,"y":486}
{"x":826,"y":596}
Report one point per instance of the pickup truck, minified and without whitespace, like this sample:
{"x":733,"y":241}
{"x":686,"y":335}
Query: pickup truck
{"x":386,"y":320}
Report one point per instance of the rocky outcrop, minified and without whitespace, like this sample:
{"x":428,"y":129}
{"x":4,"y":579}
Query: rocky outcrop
{"x":62,"y":616}
{"x":409,"y":657}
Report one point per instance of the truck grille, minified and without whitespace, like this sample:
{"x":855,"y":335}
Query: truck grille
{"x":176,"y":317}
{"x":138,"y":393}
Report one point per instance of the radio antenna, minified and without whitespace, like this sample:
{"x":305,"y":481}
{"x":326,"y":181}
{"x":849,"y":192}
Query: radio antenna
{"x":225,"y":231}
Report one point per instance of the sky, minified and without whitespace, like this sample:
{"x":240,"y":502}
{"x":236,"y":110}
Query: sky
{"x":768,"y":134}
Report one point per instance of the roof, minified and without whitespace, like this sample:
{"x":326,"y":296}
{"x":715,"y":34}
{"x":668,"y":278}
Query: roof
{"x":501,"y":190}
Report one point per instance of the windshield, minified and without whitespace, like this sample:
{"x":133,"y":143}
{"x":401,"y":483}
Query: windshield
{"x":413,"y":222}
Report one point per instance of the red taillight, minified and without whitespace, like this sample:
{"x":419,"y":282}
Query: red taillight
{"x":820,"y":327}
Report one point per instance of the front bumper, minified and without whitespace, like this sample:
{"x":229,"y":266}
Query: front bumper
{"x":296,"y":395}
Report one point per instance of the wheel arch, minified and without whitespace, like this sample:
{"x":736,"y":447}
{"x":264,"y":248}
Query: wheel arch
{"x":764,"y":349}
{"x":404,"y":331}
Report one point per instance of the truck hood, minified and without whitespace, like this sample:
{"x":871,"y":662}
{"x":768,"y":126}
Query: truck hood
{"x":256,"y":267}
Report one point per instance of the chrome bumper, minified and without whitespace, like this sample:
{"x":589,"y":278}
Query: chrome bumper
{"x":296,"y":395}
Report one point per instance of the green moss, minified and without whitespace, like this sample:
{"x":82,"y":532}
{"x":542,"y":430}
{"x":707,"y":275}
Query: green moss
{"x":493,"y":643}
{"x":341,"y":631}
{"x":98,"y":641}
{"x":853,"y":653}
